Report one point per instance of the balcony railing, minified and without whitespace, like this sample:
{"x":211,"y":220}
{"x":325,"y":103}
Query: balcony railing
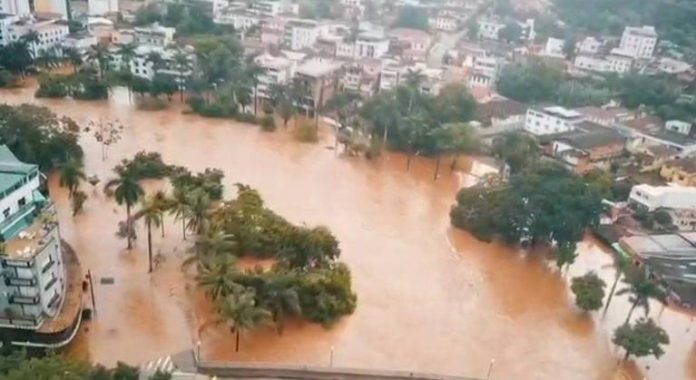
{"x":16,"y":281}
{"x":24,"y":300}
{"x":12,"y":219}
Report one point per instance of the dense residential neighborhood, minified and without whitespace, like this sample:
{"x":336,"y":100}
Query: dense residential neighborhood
{"x":584,"y":113}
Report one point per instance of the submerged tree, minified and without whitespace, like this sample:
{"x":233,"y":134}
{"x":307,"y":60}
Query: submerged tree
{"x":589,"y":291}
{"x":641,"y":339}
{"x":128,"y":192}
{"x":641,"y":290}
{"x":240,"y":310}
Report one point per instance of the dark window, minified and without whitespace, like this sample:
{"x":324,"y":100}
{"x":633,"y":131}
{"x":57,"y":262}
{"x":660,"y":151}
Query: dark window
{"x":22,"y":201}
{"x":6,"y":212}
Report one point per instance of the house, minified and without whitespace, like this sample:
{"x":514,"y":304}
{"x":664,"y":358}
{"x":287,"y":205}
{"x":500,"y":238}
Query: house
{"x":673,"y":66}
{"x":550,"y":120}
{"x":80,"y":41}
{"x":362,"y":76}
{"x":606,"y":116}
{"x":588,"y":45}
{"x":484,"y":71}
{"x":413,"y":42}
{"x":444,"y":23}
{"x":639,"y":42}
{"x":320,"y":78}
{"x":587,"y":146}
{"x":669,"y":257}
{"x":554,"y":48}
{"x":612,"y":63}
{"x":364,"y":46}
{"x":50,"y":32}
{"x":489,"y":28}
{"x":649,"y":131}
{"x":154,"y":35}
{"x":300,"y":34}
{"x":651,"y":198}
{"x":40,"y":295}
{"x":277,"y":70}
{"x":680,"y":171}
{"x":239,"y":19}
{"x":142,"y":66}
{"x":501,"y":112}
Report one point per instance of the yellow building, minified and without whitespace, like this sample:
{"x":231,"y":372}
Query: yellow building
{"x":681,"y":171}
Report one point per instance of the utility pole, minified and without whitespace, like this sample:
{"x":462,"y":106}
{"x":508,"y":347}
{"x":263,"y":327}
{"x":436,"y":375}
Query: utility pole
{"x":91,"y":290}
{"x":490,"y":369}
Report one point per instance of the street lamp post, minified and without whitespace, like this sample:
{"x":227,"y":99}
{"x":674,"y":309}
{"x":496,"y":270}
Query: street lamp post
{"x":331,"y":357}
{"x":490,"y":369}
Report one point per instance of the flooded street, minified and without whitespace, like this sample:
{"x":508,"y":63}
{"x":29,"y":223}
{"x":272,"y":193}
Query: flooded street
{"x":430,"y":298}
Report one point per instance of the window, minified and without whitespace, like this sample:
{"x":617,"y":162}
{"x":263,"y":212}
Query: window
{"x":6,"y":212}
{"x":22,"y":201}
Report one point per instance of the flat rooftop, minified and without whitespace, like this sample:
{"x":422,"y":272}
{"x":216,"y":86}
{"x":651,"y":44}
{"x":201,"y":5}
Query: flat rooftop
{"x":27,"y":243}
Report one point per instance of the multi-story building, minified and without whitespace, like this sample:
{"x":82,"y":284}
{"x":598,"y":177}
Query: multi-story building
{"x":102,"y":7}
{"x":550,"y":120}
{"x":6,"y":21}
{"x":612,"y":63}
{"x":364,"y":46}
{"x":277,"y":70}
{"x":154,"y":35}
{"x":651,"y":198}
{"x":589,"y":45}
{"x":589,"y":145}
{"x":15,"y":7}
{"x":37,"y":288}
{"x":50,"y":32}
{"x":239,"y":19}
{"x":59,"y":7}
{"x":489,"y":28}
{"x":414,"y":43}
{"x":142,"y":65}
{"x":320,"y":79}
{"x":639,"y":42}
{"x":444,"y":23}
{"x":681,"y":171}
{"x":484,"y":71}
{"x":300,"y":34}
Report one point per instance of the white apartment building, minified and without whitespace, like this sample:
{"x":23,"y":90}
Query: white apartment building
{"x":390,"y":76}
{"x":271,"y":7}
{"x":639,"y":42}
{"x":15,"y":7}
{"x":550,"y":120}
{"x":50,"y":32}
{"x":300,"y":34}
{"x":365,"y":46}
{"x":488,"y":28}
{"x":589,"y":45}
{"x":653,"y":197}
{"x":34,"y":281}
{"x":154,"y":35}
{"x":142,"y":66}
{"x":554,"y":48}
{"x":612,"y":63}
{"x":277,"y":70}
{"x":239,"y":19}
{"x":484,"y":71}
{"x":444,"y":23}
{"x":102,"y":7}
{"x":6,"y":21}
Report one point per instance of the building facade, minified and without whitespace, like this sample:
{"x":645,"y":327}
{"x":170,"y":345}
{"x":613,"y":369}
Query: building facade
{"x":550,"y":120}
{"x":639,"y":42}
{"x":15,"y":7}
{"x":300,"y":34}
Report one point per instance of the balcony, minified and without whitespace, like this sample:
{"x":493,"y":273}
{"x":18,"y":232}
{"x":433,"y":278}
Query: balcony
{"x":24,"y":300}
{"x":23,"y":211}
{"x":16,"y":281}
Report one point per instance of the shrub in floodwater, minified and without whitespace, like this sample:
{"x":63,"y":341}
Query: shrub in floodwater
{"x":589,"y":291}
{"x":151,"y":104}
{"x":268,"y":123}
{"x":247,"y":117}
{"x":221,"y":107}
{"x":53,"y":86}
{"x":87,"y":86}
{"x":306,"y":133}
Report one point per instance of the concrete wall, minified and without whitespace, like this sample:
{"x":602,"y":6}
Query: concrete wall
{"x":274,"y":371}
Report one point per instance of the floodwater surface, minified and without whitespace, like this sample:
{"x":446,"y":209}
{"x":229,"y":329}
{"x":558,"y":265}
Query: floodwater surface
{"x":430,"y":298}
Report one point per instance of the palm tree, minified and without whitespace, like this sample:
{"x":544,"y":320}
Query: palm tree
{"x":622,"y":265}
{"x":99,"y":54}
{"x":127,"y":192}
{"x":127,"y":53}
{"x":199,"y":210}
{"x":150,"y":211}
{"x":71,"y":173}
{"x":31,"y":38}
{"x":414,"y":130}
{"x":641,"y":289}
{"x":180,"y":206}
{"x":240,"y":310}
{"x":281,"y":299}
{"x":253,"y":72}
{"x":74,"y":57}
{"x":183,"y":66}
{"x":216,"y":274}
{"x":214,"y":242}
{"x":413,"y":79}
{"x":162,"y":204}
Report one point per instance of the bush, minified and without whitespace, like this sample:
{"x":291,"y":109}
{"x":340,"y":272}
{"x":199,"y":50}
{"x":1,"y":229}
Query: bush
{"x":306,"y":133}
{"x":53,"y":86}
{"x":326,"y":294}
{"x":8,"y":80}
{"x":268,"y":123}
{"x":220,"y":108}
{"x":151,"y":104}
{"x":145,"y":165}
{"x":88,"y":87}
{"x":247,"y":117}
{"x":209,"y":181}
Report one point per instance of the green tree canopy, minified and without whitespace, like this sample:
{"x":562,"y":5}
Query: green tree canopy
{"x":412,"y":17}
{"x":589,"y":291}
{"x":641,"y":339}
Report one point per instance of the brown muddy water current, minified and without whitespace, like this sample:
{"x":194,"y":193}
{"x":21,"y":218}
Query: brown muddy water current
{"x":430,"y":298}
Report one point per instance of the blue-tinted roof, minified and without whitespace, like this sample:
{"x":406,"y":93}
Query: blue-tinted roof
{"x":12,"y":170}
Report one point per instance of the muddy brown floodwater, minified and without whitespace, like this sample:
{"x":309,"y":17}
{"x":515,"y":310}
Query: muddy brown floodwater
{"x":429,"y":298}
